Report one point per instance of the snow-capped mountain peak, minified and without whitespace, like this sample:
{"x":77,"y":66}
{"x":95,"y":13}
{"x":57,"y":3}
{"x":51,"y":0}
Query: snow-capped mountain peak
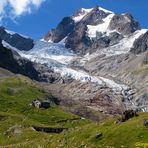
{"x":79,"y":15}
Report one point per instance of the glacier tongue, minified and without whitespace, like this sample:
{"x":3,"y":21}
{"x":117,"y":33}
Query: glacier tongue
{"x":58,"y":58}
{"x":44,"y":52}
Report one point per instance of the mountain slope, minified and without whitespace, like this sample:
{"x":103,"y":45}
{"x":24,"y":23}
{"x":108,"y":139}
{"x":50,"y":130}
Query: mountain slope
{"x":17,"y":120}
{"x":12,"y":61}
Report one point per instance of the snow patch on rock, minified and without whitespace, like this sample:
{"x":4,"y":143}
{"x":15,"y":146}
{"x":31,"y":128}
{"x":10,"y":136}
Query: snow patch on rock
{"x":83,"y":12}
{"x":12,"y":33}
{"x":103,"y":28}
{"x":6,"y":45}
{"x":105,"y":10}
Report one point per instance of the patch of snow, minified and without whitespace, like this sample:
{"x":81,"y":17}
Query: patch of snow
{"x":124,"y":45}
{"x":12,"y":33}
{"x":87,"y":10}
{"x":63,"y":41}
{"x":50,"y":41}
{"x":105,"y":10}
{"x":103,"y":28}
{"x":42,"y":40}
{"x":5,"y":44}
{"x":83,"y":12}
{"x":112,"y":84}
{"x":127,"y":18}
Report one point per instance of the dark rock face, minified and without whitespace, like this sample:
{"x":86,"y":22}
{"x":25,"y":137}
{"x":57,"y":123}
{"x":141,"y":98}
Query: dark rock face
{"x":115,"y":38}
{"x":13,"y":62}
{"x":16,"y":40}
{"x":78,"y":40}
{"x":62,"y":30}
{"x":124,"y":23}
{"x":140,"y":44}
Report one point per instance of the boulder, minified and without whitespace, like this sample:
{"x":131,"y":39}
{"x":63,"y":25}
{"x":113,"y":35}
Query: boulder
{"x":98,"y":135}
{"x":146,"y":122}
{"x":128,"y":114}
{"x":62,"y":30}
{"x":124,"y":23}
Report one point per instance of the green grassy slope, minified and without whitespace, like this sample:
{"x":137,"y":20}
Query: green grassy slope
{"x":17,"y":119}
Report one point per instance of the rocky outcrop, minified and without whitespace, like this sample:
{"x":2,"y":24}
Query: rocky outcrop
{"x":13,"y":62}
{"x":124,"y":23}
{"x":141,"y":44}
{"x":78,"y":40}
{"x":16,"y":40}
{"x":128,"y":114}
{"x":62,"y":30}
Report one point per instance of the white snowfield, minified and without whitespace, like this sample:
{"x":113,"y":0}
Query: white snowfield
{"x":81,"y":15}
{"x":105,"y":10}
{"x":10,"y":32}
{"x":103,"y":28}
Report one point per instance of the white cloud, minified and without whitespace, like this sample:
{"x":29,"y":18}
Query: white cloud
{"x":15,"y":8}
{"x":37,"y":3}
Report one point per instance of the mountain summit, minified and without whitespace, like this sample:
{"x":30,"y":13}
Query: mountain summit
{"x":96,"y":28}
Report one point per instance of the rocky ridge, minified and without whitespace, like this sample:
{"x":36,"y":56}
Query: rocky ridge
{"x":16,"y":40}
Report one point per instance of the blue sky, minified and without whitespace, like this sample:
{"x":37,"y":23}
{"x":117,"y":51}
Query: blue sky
{"x":48,"y":15}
